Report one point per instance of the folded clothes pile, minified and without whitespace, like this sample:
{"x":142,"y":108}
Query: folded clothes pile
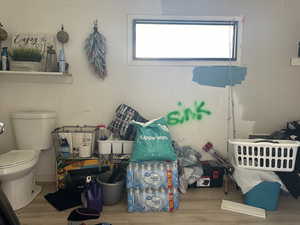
{"x":290,"y":179}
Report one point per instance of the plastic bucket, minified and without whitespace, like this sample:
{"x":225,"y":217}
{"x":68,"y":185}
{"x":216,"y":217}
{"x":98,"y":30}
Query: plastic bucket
{"x":112,"y":193}
{"x":264,"y":195}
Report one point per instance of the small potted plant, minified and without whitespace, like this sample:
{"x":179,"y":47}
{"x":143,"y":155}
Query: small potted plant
{"x":26,"y":59}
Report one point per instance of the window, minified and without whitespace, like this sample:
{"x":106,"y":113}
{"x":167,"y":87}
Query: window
{"x":198,"y":40}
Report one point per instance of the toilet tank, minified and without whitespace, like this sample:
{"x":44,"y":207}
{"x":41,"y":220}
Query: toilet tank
{"x":33,"y":129}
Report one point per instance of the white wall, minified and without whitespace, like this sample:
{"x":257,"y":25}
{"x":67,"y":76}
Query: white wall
{"x":270,"y":38}
{"x":268,"y":96}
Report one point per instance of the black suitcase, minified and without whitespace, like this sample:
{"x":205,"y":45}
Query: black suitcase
{"x":76,"y":179}
{"x":213,"y":174}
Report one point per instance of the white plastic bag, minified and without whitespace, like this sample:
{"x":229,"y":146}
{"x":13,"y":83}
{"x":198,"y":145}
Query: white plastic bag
{"x":247,"y":178}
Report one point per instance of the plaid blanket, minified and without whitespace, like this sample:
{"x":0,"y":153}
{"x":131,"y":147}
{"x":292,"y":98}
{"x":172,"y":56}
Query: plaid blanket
{"x":120,"y":125}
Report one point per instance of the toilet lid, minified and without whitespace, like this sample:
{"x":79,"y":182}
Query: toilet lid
{"x":16,"y":157}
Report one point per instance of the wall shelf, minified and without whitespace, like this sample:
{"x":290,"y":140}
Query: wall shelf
{"x":295,"y":61}
{"x":36,"y":77}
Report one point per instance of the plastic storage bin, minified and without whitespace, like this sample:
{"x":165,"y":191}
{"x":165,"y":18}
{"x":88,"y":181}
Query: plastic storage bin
{"x":264,"y":195}
{"x":274,"y":155}
{"x":114,"y":147}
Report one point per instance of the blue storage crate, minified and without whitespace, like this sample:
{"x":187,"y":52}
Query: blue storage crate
{"x":264,"y":195}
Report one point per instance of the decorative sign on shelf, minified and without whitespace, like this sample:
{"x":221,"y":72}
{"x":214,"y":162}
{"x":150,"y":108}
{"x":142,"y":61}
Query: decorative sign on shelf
{"x":33,"y":40}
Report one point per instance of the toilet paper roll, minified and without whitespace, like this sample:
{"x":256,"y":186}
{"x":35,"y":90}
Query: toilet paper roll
{"x":85,"y":151}
{"x":79,"y":139}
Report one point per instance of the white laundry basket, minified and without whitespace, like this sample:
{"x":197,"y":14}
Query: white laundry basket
{"x":274,"y":155}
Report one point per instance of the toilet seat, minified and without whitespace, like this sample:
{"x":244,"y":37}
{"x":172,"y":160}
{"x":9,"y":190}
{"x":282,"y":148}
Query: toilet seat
{"x":17,"y":157}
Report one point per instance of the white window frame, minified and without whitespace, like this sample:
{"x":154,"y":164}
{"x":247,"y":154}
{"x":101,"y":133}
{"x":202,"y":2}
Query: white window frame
{"x":138,"y":62}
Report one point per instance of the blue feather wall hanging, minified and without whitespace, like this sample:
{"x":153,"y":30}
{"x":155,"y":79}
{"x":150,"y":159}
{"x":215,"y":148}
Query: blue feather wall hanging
{"x":95,"y":48}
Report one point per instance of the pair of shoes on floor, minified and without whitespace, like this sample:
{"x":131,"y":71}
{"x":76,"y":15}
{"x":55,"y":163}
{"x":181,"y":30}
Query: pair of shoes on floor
{"x":82,"y":214}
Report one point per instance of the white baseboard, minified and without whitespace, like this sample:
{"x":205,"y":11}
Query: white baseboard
{"x":243,"y":208}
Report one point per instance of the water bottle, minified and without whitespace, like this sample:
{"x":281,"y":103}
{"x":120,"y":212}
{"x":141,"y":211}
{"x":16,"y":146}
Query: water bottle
{"x":158,"y":175}
{"x":147,"y":200}
{"x":169,"y":176}
{"x":137,"y":201}
{"x":170,"y":194}
{"x":4,"y":59}
{"x":130,"y":198}
{"x":61,"y":61}
{"x":162,"y":174}
{"x":141,"y":175}
{"x":142,"y":200}
{"x":136,"y":174}
{"x":175,"y":165}
{"x":65,"y":148}
{"x":152,"y":176}
{"x":153,"y":200}
{"x":129,"y":177}
{"x":147,"y":175}
{"x":162,"y":195}
{"x":176,"y":198}
{"x":175,"y":174}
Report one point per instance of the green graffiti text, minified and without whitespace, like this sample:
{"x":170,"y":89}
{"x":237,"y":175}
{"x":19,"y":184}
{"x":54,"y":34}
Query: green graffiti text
{"x":194,"y":112}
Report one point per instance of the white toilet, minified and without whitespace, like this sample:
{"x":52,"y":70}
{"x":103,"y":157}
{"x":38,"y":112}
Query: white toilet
{"x":33,"y":133}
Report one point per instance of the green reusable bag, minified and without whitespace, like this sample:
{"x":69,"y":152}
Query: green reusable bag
{"x":152,"y":142}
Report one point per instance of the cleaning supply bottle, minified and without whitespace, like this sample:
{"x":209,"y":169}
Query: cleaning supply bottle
{"x":61,"y":61}
{"x":102,"y":133}
{"x":4,"y":59}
